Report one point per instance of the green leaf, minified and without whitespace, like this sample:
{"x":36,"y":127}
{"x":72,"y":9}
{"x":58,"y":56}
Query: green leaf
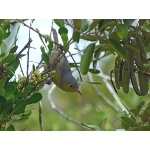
{"x":9,"y":91}
{"x":144,"y":128}
{"x":89,"y":38}
{"x":19,"y":107}
{"x":92,"y":127}
{"x":137,"y":110}
{"x":36,"y":97}
{"x":2,"y":103}
{"x":122,"y":30}
{"x":146,"y":113}
{"x":27,"y":113}
{"x":25,"y":91}
{"x":84,"y":25}
{"x":42,"y":49}
{"x":63,"y":30}
{"x":76,"y":36}
{"x":127,"y":120}
{"x":22,"y":119}
{"x":107,"y":23}
{"x":2,"y":91}
{"x":94,"y":24}
{"x":47,"y":37}
{"x":128,"y":22}
{"x":64,"y":38}
{"x":66,"y":47}
{"x":5,"y":105}
{"x":59,"y":22}
{"x":12,"y":68}
{"x":6,"y":30}
{"x":86,"y":58}
{"x":15,"y":64}
{"x":2,"y":55}
{"x":3,"y":47}
{"x":114,"y":35}
{"x":10,"y":128}
{"x":77,"y":23}
{"x":50,"y":46}
{"x":1,"y":35}
{"x":2,"y":21}
{"x":9,"y":58}
{"x":2,"y":83}
{"x":13,"y":49}
{"x":94,"y":71}
{"x":45,"y":58}
{"x":117,"y":47}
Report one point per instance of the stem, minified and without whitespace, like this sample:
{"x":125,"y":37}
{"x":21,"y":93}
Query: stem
{"x":40,"y":116}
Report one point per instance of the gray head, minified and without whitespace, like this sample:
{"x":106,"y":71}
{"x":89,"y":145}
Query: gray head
{"x":69,"y":83}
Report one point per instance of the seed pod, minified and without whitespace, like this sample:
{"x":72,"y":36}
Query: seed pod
{"x":116,"y":70}
{"x":143,"y":83}
{"x":125,"y":78}
{"x":134,"y":84}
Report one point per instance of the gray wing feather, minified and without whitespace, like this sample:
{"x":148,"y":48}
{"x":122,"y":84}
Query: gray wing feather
{"x":62,"y":65}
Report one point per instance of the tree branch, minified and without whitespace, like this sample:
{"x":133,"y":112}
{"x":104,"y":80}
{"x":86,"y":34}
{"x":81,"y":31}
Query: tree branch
{"x":113,"y":93}
{"x":58,"y":110}
{"x":99,"y":93}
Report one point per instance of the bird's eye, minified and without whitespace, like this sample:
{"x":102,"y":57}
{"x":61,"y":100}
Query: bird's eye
{"x":70,"y":85}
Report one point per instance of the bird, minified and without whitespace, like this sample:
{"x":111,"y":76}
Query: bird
{"x":62,"y":76}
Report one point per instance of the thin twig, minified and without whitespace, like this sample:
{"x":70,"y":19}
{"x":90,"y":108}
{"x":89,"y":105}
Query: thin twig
{"x":113,"y":93}
{"x":40,"y":116}
{"x":58,"y":110}
{"x":99,"y":93}
{"x":75,"y":65}
{"x":21,"y":69}
{"x":83,"y":33}
{"x":37,"y":32}
{"x":18,"y":55}
{"x":25,"y":47}
{"x":28,"y":56}
{"x":13,"y":22}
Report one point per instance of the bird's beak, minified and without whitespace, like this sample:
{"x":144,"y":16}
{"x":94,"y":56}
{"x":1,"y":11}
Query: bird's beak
{"x":78,"y":91}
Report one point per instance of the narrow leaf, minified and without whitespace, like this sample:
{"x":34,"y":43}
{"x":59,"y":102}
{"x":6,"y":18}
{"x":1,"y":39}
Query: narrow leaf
{"x":9,"y":58}
{"x":117,"y":47}
{"x":77,"y":23}
{"x":1,"y":34}
{"x":19,"y":107}
{"x":84,"y":25}
{"x":9,"y":91}
{"x":89,"y":38}
{"x":13,"y":49}
{"x":59,"y":22}
{"x":122,"y":30}
{"x":63,"y":30}
{"x":94,"y":71}
{"x":45,"y":57}
{"x":64,"y":38}
{"x":94,"y":24}
{"x":76,"y":36}
{"x":86,"y":58}
{"x":36,"y":97}
{"x":10,"y":128}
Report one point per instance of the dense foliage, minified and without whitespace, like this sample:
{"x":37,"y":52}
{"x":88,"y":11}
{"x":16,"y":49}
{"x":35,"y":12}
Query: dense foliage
{"x":124,"y":43}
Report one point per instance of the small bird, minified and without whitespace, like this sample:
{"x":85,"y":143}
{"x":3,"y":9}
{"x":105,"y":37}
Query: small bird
{"x":63,"y":76}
